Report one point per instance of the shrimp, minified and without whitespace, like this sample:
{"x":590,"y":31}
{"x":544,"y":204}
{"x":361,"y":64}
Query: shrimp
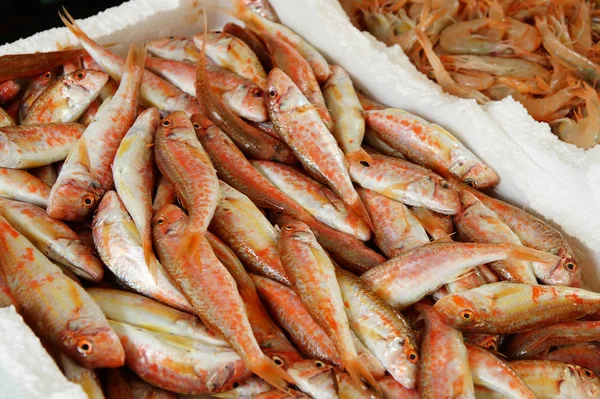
{"x":580,"y":29}
{"x":582,"y":132}
{"x":496,"y":66}
{"x":545,"y":108}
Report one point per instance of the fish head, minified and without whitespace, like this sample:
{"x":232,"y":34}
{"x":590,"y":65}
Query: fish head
{"x":401,"y":358}
{"x":248,"y":101}
{"x":177,"y":124}
{"x":282,"y":95}
{"x":464,"y":311}
{"x":578,"y":381}
{"x":246,"y":389}
{"x":314,"y":377}
{"x":82,"y":82}
{"x":169,"y":220}
{"x":75,"y":198}
{"x":93,"y":345}
{"x":480,"y":176}
{"x":568,"y":272}
{"x":297,"y":230}
{"x":281,"y":351}
{"x":162,"y":47}
{"x":436,"y":194}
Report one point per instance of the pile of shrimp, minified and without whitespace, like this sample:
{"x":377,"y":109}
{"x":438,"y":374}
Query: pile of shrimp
{"x":543,"y":53}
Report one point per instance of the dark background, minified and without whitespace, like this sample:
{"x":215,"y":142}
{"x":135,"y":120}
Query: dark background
{"x":22,"y":18}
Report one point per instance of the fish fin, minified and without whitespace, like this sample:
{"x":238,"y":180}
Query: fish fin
{"x":189,"y":245}
{"x":359,"y":156}
{"x":84,"y":156}
{"x":356,"y":369}
{"x":272,"y":373}
{"x":359,"y":209}
{"x":150,"y":258}
{"x":136,"y":59}
{"x":333,"y":199}
{"x":444,"y":238}
{"x":70,"y":23}
{"x":521,"y":252}
{"x":462,"y":275}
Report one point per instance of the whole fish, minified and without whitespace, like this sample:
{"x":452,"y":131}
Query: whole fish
{"x":268,"y":335}
{"x":241,"y":95}
{"x":430,"y":145}
{"x":412,"y":275}
{"x":242,"y":226}
{"x":165,"y":194}
{"x":179,"y":364}
{"x":66,"y":98}
{"x":244,"y":390}
{"x":317,"y":62}
{"x":119,"y":244}
{"x":154,"y":91}
{"x":212,"y":291}
{"x":548,"y":379}
{"x":381,"y":328}
{"x":56,"y":307}
{"x":290,"y":313}
{"x":476,"y":223}
{"x":133,"y":175}
{"x":182,"y":160}
{"x":24,"y":147}
{"x":314,"y":378}
{"x":313,"y":277}
{"x":140,"y":311}
{"x":53,"y":238}
{"x":35,"y":87}
{"x":287,"y":59}
{"x":86,"y":174}
{"x":234,"y":169}
{"x":532,"y":343}
{"x":347,"y":113}
{"x":86,"y":378}
{"x":444,"y":370}
{"x":229,"y":52}
{"x":392,"y":389}
{"x":493,"y":373}
{"x":249,"y":139}
{"x":301,"y":127}
{"x":175,"y":48}
{"x":19,"y":185}
{"x":253,"y":41}
{"x":396,"y":234}
{"x":584,"y":355}
{"x":504,"y":308}
{"x":405,"y":182}
{"x":535,"y":233}
{"x":314,"y":197}
{"x":9,"y":89}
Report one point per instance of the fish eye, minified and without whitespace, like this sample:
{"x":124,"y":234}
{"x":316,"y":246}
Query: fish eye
{"x":319,"y":364}
{"x":84,"y":347}
{"x":80,"y":75}
{"x":196,"y":126}
{"x":48,"y":74}
{"x":467,"y":315}
{"x":570,"y":266}
{"x":160,"y":220}
{"x":272,"y":91}
{"x":88,"y":200}
{"x":289,"y":227}
{"x":235,"y":385}
{"x":166,"y":122}
{"x":588,"y":373}
{"x":278,"y":361}
{"x":470,"y":183}
{"x":491,"y":346}
{"x":412,"y":356}
{"x":365,"y":163}
{"x":257,"y":92}
{"x":445,"y":184}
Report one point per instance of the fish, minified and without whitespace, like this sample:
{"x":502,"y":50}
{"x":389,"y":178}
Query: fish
{"x":53,"y":238}
{"x":31,"y":146}
{"x":119,"y":245}
{"x":229,"y":52}
{"x":431,"y":146}
{"x":314,"y":378}
{"x":142,"y":390}
{"x":133,"y":175}
{"x":301,"y":127}
{"x":290,"y":313}
{"x":89,"y":115}
{"x":181,"y":158}
{"x":154,"y":91}
{"x":245,"y":390}
{"x":19,"y":185}
{"x":9,"y":89}
{"x":381,"y":328}
{"x":584,"y":355}
{"x":57,"y":308}
{"x":493,"y":373}
{"x":242,"y":226}
{"x":85,"y":377}
{"x":251,"y":141}
{"x":14,"y":66}
{"x":268,"y":335}
{"x":528,"y":344}
{"x":535,"y":233}
{"x":86,"y":174}
{"x":548,"y":379}
{"x":179,"y":364}
{"x":396,"y":229}
{"x":66,"y":98}
{"x":405,"y":182}
{"x":288,"y":60}
{"x":253,"y":41}
{"x":211,"y":290}
{"x":176,"y":48}
{"x":477,"y":223}
{"x":260,"y":7}
{"x":313,"y":278}
{"x":347,"y":113}
{"x":350,"y":388}
{"x":165,"y":194}
{"x":315,"y":198}
{"x":412,"y":275}
{"x":240,"y":95}
{"x":506,"y":308}
{"x":36,"y":86}
{"x":444,"y":370}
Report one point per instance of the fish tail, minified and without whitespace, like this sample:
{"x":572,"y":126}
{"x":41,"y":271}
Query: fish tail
{"x":358,"y":370}
{"x":521,"y":252}
{"x":70,"y":23}
{"x":136,"y":57}
{"x":359,"y":209}
{"x":272,"y":374}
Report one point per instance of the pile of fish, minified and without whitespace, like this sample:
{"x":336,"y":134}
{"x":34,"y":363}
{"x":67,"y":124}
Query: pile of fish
{"x":228,"y":216}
